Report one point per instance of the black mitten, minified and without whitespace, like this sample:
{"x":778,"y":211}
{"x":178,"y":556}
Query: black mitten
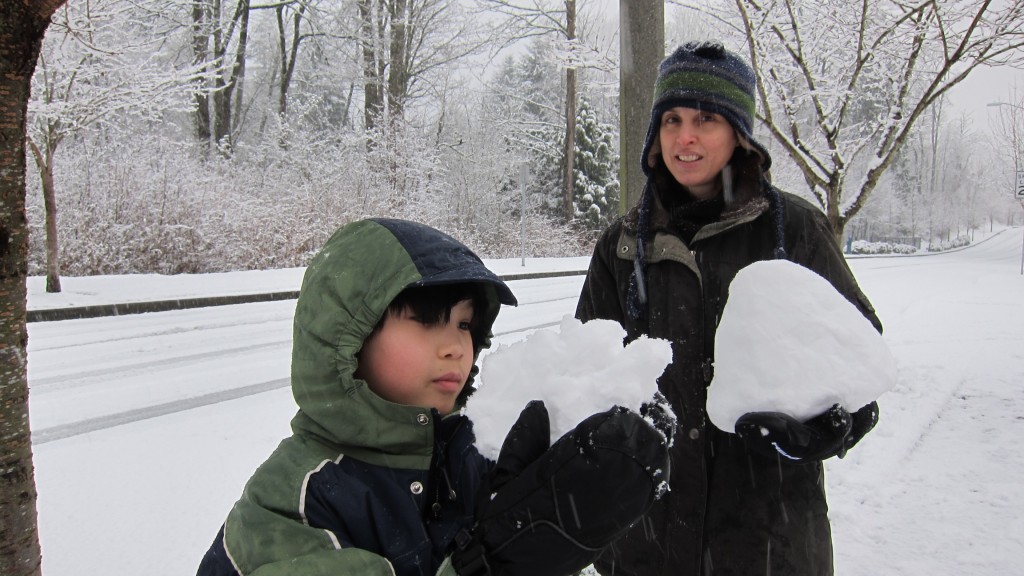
{"x":775,"y":433}
{"x":864,"y":421}
{"x":528,"y":439}
{"x":553,"y":516}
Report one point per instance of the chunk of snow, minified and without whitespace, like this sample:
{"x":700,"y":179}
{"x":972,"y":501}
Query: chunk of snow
{"x":789,"y":342}
{"x":580,"y":370}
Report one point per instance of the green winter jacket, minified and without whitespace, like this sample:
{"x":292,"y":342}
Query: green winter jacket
{"x":357,"y":480}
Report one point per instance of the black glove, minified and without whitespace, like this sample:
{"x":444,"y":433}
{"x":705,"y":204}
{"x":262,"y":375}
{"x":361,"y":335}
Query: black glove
{"x":550,"y":511}
{"x":864,"y":421}
{"x":775,"y":433}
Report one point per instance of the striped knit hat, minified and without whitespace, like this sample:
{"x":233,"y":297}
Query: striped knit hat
{"x":705,"y":76}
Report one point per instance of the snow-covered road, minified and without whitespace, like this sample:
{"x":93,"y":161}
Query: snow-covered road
{"x":148,"y":426}
{"x":96,"y":373}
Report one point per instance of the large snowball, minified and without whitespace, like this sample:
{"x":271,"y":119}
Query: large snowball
{"x":581,"y":369}
{"x":789,"y":342}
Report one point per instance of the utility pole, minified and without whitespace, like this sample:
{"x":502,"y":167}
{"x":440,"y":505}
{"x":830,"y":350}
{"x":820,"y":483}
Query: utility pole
{"x":569,"y":150}
{"x":642,"y":48}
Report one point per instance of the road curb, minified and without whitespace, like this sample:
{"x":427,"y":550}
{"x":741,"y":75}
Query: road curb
{"x":99,"y":310}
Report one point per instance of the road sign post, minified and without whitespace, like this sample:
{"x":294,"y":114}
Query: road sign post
{"x":1018,"y":193}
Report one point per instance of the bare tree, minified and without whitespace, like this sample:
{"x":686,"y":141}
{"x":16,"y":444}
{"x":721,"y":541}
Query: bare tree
{"x":290,"y":34}
{"x":406,"y":48}
{"x":844,"y":81}
{"x":1009,"y":141}
{"x":220,"y":38}
{"x":865,"y":72}
{"x":1009,"y":129}
{"x":404,"y":45}
{"x":22,"y":25}
{"x":86,"y":74}
{"x":531,"y":18}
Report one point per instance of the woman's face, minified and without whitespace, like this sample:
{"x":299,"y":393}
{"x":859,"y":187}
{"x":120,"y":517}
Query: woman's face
{"x":695,"y":146}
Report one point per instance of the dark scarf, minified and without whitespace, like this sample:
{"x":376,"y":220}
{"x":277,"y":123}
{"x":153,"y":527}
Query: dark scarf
{"x":688,"y":215}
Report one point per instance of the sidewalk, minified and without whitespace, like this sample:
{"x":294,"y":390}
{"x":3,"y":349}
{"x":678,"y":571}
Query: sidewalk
{"x":92,"y":296}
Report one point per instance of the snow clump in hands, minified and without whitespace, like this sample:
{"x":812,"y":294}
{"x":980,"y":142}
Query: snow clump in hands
{"x":789,"y":342}
{"x":577,"y":371}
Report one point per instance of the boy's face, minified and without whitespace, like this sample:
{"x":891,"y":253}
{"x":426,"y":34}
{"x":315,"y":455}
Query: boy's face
{"x":411,"y":363}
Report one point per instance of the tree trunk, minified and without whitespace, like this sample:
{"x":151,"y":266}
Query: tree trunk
{"x":398,"y":60}
{"x":569,"y":152}
{"x":289,"y":53}
{"x":22,"y":25}
{"x":201,"y":20}
{"x":837,"y":221}
{"x":214,"y":122}
{"x":44,"y":163}
{"x":236,"y":83}
{"x":642,"y":47}
{"x":52,"y":244}
{"x":373,"y":68}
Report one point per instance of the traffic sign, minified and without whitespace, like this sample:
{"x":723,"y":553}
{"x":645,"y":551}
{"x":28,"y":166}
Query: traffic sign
{"x":1019,"y":190}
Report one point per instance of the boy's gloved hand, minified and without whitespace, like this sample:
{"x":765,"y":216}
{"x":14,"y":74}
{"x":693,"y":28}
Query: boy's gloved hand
{"x":775,"y":433}
{"x":550,"y":511}
{"x":659,"y":413}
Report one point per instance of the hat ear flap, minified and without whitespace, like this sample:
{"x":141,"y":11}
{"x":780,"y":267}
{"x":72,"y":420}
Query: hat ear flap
{"x":654,"y":154}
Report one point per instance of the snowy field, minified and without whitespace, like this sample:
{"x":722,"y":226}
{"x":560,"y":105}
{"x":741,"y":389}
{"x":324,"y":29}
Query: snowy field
{"x":148,"y":426}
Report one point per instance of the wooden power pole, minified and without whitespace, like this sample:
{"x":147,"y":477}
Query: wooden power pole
{"x":642,"y":48}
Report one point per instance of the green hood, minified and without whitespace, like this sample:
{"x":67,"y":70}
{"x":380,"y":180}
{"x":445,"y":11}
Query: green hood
{"x":345,"y":292}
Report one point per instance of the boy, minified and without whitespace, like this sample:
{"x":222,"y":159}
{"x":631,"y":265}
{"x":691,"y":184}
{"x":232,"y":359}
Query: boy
{"x":380,"y":476}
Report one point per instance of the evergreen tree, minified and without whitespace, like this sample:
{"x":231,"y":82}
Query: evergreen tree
{"x":529,"y":112}
{"x":596,"y":191}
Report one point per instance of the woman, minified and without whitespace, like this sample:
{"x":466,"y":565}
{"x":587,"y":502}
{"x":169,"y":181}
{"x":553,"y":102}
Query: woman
{"x":736,"y":505}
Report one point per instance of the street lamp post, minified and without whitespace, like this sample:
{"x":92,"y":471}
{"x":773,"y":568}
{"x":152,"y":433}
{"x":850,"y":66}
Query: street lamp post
{"x":1018,"y":173}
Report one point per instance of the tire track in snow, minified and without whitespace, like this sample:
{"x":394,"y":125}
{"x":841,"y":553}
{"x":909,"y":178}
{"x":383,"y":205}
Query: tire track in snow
{"x":104,"y":422}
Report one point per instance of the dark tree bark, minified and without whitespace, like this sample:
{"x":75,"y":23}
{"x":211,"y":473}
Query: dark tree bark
{"x":44,"y":162}
{"x":289,"y":49}
{"x":211,"y":41}
{"x":202,"y":18}
{"x":371,"y":23}
{"x":399,"y":58}
{"x":22,"y":25}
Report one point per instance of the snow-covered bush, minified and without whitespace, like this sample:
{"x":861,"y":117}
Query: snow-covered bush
{"x":151,"y":205}
{"x":958,"y":242}
{"x":865,"y":247}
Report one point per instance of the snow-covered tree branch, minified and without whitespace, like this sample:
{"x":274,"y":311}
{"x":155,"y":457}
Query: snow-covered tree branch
{"x":843,"y":82}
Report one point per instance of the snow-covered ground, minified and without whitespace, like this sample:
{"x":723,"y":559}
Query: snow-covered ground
{"x":149,"y":425}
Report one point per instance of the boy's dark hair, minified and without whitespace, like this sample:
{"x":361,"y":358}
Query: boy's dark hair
{"x":432,"y":305}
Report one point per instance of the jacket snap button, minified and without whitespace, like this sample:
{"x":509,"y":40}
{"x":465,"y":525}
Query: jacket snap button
{"x":423,"y":419}
{"x":694,"y":433}
{"x":416,"y":488}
